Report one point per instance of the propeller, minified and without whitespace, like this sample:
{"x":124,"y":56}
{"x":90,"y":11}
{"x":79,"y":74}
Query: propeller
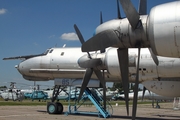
{"x":101,"y":19}
{"x":118,"y":10}
{"x":91,"y":66}
{"x":110,"y":34}
{"x":113,"y":37}
{"x":124,"y":63}
{"x":136,"y":87}
{"x":143,"y":11}
{"x":131,"y":13}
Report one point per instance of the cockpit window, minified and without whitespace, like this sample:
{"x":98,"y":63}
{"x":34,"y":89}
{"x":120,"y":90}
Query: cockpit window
{"x":51,"y":51}
{"x":62,"y":53}
{"x":45,"y":53}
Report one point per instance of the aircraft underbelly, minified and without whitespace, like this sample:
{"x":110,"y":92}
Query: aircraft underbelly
{"x":169,"y":67}
{"x":165,"y":87}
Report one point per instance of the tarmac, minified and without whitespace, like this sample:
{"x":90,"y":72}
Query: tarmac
{"x":144,"y":112}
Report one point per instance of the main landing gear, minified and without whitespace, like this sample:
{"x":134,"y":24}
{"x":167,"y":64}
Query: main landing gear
{"x":55,"y":107}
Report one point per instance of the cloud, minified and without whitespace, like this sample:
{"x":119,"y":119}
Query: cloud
{"x":35,"y":44}
{"x":3,"y":11}
{"x":52,"y":36}
{"x":69,"y":36}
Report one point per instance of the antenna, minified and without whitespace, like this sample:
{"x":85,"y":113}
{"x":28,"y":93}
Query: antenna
{"x":64,"y":45}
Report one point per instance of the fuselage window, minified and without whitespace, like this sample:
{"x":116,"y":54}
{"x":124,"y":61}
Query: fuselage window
{"x":62,"y":53}
{"x":46,"y":51}
{"x":51,"y":51}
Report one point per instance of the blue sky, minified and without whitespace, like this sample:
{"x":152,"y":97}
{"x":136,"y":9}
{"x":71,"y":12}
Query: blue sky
{"x":31,"y":26}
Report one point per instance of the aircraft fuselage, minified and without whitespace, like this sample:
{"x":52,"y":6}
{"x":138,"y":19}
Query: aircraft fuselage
{"x":64,"y":63}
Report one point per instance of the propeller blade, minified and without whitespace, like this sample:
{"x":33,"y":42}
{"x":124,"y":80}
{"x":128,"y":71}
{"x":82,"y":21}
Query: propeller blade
{"x":101,"y":19}
{"x":142,"y":7}
{"x":118,"y":10}
{"x":79,"y":34}
{"x":156,"y":61}
{"x":90,"y":63}
{"x":85,"y":82}
{"x":100,"y":77}
{"x":100,"y":41}
{"x":101,"y":22}
{"x":136,"y":88}
{"x":103,"y":83}
{"x":80,"y":37}
{"x":131,"y":13}
{"x":124,"y":68}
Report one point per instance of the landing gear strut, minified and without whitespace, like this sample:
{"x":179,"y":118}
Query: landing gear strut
{"x":157,"y":104}
{"x":55,"y":107}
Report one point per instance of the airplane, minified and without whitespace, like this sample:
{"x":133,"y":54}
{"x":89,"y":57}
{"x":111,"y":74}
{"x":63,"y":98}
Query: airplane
{"x":61,"y":63}
{"x":149,"y":95}
{"x":12,"y":93}
{"x":157,"y":31}
{"x":129,"y":31}
{"x":109,"y":93}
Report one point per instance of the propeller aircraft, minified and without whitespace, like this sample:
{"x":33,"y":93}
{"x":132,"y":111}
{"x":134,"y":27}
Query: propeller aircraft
{"x":69,"y":63}
{"x":138,"y":30}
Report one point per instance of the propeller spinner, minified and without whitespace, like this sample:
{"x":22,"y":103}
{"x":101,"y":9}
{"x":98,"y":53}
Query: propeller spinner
{"x":91,"y":66}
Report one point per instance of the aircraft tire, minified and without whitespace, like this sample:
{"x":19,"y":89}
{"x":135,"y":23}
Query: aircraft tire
{"x":158,"y":106}
{"x":59,"y":108}
{"x":52,"y":108}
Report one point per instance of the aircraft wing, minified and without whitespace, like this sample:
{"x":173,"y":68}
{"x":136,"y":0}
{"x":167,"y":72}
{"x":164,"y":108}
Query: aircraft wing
{"x":23,"y":57}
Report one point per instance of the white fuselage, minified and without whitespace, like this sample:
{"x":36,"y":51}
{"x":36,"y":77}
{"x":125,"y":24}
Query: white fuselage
{"x":63,"y":63}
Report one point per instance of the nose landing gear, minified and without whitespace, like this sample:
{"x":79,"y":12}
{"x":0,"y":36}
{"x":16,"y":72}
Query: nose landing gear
{"x":55,"y":107}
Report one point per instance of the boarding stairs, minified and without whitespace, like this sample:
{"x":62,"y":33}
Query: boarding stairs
{"x":97,"y":100}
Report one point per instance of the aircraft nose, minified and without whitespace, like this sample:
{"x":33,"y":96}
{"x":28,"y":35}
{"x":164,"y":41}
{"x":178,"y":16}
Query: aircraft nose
{"x":18,"y":68}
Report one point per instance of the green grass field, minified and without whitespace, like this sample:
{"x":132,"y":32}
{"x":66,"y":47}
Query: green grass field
{"x":29,"y":102}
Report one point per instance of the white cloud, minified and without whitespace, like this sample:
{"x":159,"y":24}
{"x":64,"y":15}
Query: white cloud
{"x":35,"y":44}
{"x":3,"y":11}
{"x":69,"y":36}
{"x":52,"y":36}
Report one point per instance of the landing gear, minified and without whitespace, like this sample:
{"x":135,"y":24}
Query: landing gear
{"x":59,"y":108}
{"x":55,"y":107}
{"x":51,"y":108}
{"x":157,"y":104}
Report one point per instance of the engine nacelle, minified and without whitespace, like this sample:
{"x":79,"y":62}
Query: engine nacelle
{"x":112,"y":63}
{"x":165,"y":87}
{"x":164,"y":29}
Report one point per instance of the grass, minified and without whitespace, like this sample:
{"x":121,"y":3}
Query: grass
{"x":28,"y":102}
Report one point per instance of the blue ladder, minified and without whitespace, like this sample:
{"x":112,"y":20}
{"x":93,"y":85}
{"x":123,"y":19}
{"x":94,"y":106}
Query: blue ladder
{"x":96,"y":102}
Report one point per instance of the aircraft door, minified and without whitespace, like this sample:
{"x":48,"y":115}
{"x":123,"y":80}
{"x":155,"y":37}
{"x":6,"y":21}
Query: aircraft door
{"x":55,"y":60}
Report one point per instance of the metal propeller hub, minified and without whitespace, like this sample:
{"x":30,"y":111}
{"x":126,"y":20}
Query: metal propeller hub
{"x":86,"y":62}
